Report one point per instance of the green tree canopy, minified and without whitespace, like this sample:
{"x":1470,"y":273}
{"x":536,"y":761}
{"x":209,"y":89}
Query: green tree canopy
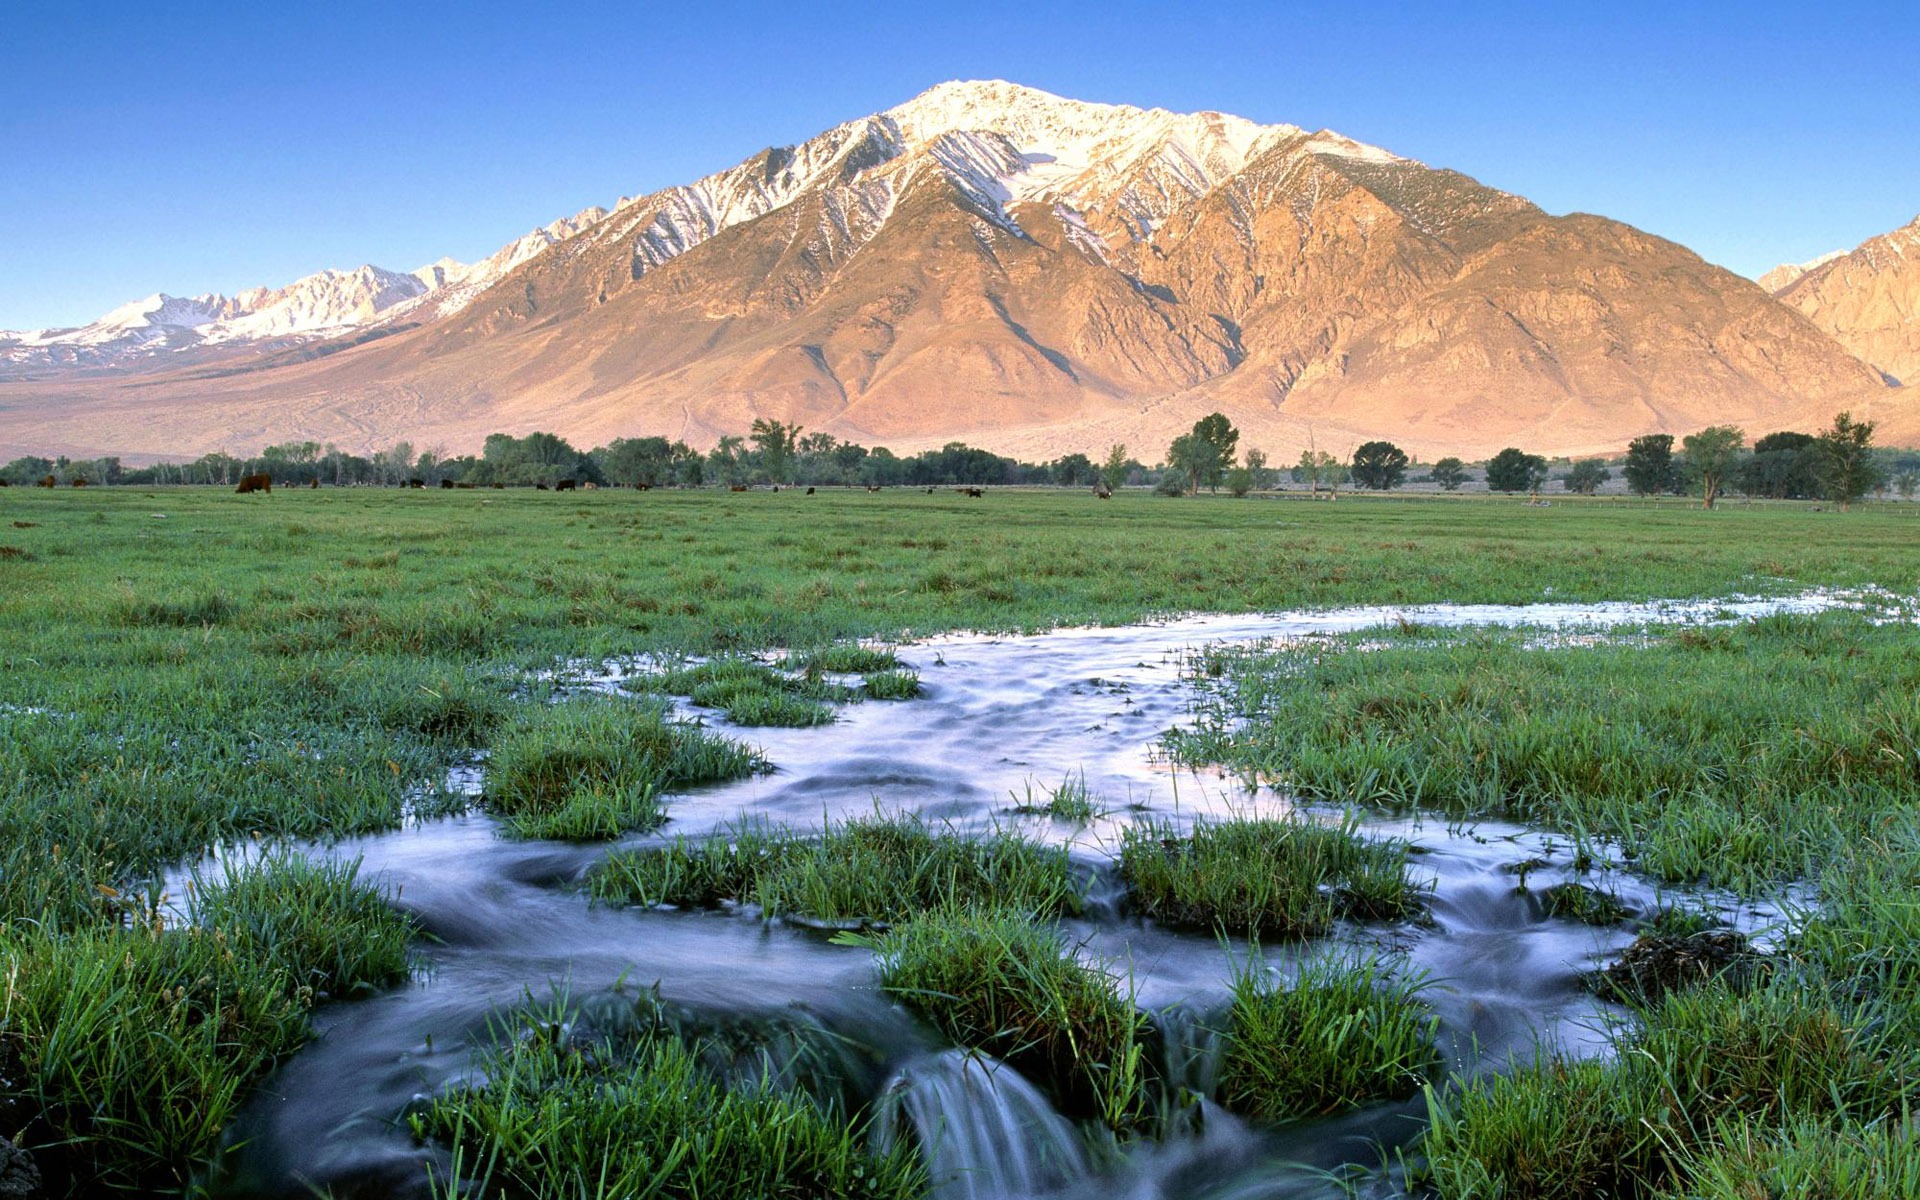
{"x":776,"y":443}
{"x":1649,"y":466}
{"x":1712,"y":455}
{"x":1514,"y":470}
{"x":1205,"y":453}
{"x":1847,"y":469}
{"x":1379,"y":465}
{"x":1586,"y":476}
{"x":1449,"y":473}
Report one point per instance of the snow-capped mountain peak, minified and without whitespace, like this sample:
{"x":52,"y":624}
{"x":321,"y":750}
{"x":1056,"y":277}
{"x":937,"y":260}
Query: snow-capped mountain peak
{"x":1108,"y":170}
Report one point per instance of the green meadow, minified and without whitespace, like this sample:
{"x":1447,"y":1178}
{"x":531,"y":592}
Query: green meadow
{"x":185,"y":669}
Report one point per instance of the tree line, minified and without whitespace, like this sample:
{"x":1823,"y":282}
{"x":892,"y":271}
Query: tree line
{"x":1840,"y":465}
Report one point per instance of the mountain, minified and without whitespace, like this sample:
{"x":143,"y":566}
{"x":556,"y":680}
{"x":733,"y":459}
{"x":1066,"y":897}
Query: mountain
{"x":1037,"y":275}
{"x":1777,"y":280}
{"x":1867,"y":299}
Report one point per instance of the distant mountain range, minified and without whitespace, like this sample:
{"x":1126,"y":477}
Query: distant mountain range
{"x":994,"y":264}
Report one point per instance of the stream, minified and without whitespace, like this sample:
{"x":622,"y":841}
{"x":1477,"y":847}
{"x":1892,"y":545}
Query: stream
{"x":1003,"y":719}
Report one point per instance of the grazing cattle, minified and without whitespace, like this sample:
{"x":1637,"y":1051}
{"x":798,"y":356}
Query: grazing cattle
{"x":565,"y":485}
{"x":47,"y":482}
{"x":1103,"y":491}
{"x":446,"y":484}
{"x":975,"y":492}
{"x":738,"y":487}
{"x":642,"y":487}
{"x":4,"y":483}
{"x":873,"y":487}
{"x":809,"y":491}
{"x":416,"y":483}
{"x":541,"y":487}
{"x":929,"y":491}
{"x":250,"y":484}
{"x":79,"y":481}
{"x":463,"y":484}
{"x":501,"y":486}
{"x":313,"y":483}
{"x":591,"y":486}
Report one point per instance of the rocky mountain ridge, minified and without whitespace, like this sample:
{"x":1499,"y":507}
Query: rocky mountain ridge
{"x":994,"y":264}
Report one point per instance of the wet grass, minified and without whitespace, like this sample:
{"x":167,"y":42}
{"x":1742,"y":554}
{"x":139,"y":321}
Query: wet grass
{"x":1735,"y":756}
{"x":594,"y":767}
{"x":561,"y":1114}
{"x":866,"y":871}
{"x":1704,"y":1062}
{"x":997,"y":981}
{"x":892,"y":685}
{"x":1340,"y":1034}
{"x":127,"y":1052}
{"x":1072,"y":801}
{"x":850,"y":658}
{"x":1587,"y":905}
{"x":1286,"y":878}
{"x":751,"y":693}
{"x":308,"y":667}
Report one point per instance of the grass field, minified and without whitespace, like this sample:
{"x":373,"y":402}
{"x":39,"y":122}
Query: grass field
{"x":185,"y":668}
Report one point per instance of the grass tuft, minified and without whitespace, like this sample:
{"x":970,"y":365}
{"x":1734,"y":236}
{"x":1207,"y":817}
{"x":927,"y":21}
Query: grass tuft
{"x":875,"y":870}
{"x":559,"y":1118}
{"x":998,"y":982}
{"x":1340,"y":1034}
{"x":1288,"y":878}
{"x":594,"y":768}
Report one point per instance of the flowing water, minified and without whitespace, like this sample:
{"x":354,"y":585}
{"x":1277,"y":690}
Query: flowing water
{"x":1002,"y":719}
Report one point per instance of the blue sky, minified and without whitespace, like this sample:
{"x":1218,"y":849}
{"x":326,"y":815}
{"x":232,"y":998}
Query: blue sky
{"x":192,"y":147}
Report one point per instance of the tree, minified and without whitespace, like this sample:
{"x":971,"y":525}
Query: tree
{"x":1256,"y":461}
{"x":1379,"y":465}
{"x":1587,"y":476}
{"x":776,"y":443}
{"x":1905,"y":483}
{"x":1240,"y":481}
{"x":1206,"y":452}
{"x":1712,"y":455}
{"x":1113,"y":472}
{"x":1449,"y":473}
{"x":1783,"y":466}
{"x":1514,"y":470}
{"x":726,"y":462}
{"x":1847,"y":469}
{"x":1072,"y":470}
{"x":1649,"y":466}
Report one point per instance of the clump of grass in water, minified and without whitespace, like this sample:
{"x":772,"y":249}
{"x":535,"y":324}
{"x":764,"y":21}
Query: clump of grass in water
{"x":1340,"y":1034}
{"x":316,"y":921}
{"x":902,"y":684}
{"x":1071,"y":801}
{"x":752,"y":693}
{"x":594,"y":767}
{"x":1705,"y":1062}
{"x":874,"y":870}
{"x":1288,"y":878}
{"x":1737,"y":771}
{"x":1588,"y":905}
{"x":850,"y":658}
{"x":130,"y":1049}
{"x":559,"y":1119}
{"x":998,"y":982}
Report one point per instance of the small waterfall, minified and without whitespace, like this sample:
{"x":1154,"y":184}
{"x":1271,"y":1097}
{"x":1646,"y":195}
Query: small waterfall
{"x":1190,"y":1049}
{"x":985,"y":1133}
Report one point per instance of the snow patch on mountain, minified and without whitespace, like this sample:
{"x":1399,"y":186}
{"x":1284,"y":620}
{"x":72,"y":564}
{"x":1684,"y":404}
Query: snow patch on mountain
{"x":1105,"y":171}
{"x":1784,"y":276}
